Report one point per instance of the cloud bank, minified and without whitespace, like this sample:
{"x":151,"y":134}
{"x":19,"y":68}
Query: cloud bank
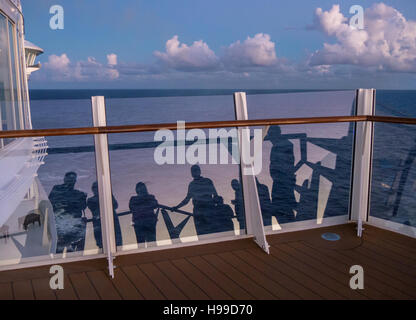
{"x":60,"y":68}
{"x":386,"y":45}
{"x":387,"y":42}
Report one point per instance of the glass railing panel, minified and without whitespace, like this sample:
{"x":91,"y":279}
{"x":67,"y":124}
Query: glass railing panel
{"x":131,"y":111}
{"x":393,"y":184}
{"x":49,"y":204}
{"x":161,"y":204}
{"x":49,"y":113}
{"x":301,"y":104}
{"x":396,"y":103}
{"x":306,"y":174}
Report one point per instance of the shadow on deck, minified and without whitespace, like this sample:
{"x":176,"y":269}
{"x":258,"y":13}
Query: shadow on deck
{"x":301,"y":266}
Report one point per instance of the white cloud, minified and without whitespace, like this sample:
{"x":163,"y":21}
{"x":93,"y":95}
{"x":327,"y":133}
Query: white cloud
{"x":182,"y":57}
{"x":112,"y":59}
{"x":258,"y":51}
{"x":58,"y":63}
{"x":60,"y":68}
{"x":387,"y":42}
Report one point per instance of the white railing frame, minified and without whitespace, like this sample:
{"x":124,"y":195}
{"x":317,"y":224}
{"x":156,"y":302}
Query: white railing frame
{"x":104,"y":182}
{"x":362,"y":161}
{"x":253,"y":214}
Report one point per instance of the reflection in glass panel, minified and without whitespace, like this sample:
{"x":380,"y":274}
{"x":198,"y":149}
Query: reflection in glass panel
{"x":129,"y":111}
{"x":306,"y":170}
{"x":393,"y":183}
{"x":8,"y":121}
{"x":306,"y":173}
{"x":163,"y":204}
{"x":23,"y":82}
{"x":47,"y":203}
{"x":15,"y":92}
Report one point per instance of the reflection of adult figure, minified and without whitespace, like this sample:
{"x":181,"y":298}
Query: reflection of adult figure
{"x":142,"y":207}
{"x":93,"y":204}
{"x":238,"y":203}
{"x":282,"y":171}
{"x":68,"y":206}
{"x":223,"y":215}
{"x":202,"y":192}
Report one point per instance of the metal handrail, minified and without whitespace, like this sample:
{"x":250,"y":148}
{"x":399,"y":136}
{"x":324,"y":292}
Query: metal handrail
{"x":199,"y":125}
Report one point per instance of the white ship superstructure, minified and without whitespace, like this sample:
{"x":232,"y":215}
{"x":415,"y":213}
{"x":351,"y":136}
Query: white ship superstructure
{"x":19,"y":158}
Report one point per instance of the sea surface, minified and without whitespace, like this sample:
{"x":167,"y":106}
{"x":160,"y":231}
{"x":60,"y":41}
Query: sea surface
{"x":318,"y":155}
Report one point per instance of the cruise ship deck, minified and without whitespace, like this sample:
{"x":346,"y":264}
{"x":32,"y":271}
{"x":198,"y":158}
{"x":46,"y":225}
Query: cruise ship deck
{"x":301,"y":266}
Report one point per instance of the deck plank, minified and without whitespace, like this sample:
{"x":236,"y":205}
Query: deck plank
{"x":319,"y":271}
{"x":259,"y":263}
{"x":191,"y":290}
{"x":162,"y":282}
{"x":373,"y":252}
{"x":23,"y":290}
{"x":239,"y":277}
{"x":338,"y":274}
{"x":388,"y":251}
{"x":68,"y":293}
{"x":142,"y":283}
{"x":229,"y":286}
{"x":301,"y":266}
{"x":124,"y":286}
{"x":103,"y":285}
{"x":83,"y":287}
{"x":42,"y":289}
{"x":210,"y":288}
{"x":343,"y":268}
{"x":306,"y":275}
{"x":371,"y":279}
{"x":381,"y":272}
{"x":277,"y":262}
{"x":406,"y":241}
{"x":178,"y":253}
{"x":406,"y":248}
{"x":268,"y":283}
{"x":6,"y":291}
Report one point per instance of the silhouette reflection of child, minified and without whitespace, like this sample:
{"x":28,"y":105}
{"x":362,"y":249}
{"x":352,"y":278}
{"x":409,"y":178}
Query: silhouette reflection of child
{"x":238,"y":203}
{"x":142,"y":207}
{"x":93,"y":204}
{"x":222,"y":218}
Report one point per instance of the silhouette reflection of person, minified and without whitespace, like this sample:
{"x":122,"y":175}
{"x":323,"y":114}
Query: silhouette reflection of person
{"x":202,"y":192}
{"x":238,"y":203}
{"x":68,"y":205}
{"x":223,"y":215}
{"x":142,"y":207}
{"x":265,"y":203}
{"x":93,"y":204}
{"x":282,"y":171}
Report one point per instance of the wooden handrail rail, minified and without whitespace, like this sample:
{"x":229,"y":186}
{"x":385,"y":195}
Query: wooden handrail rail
{"x":198,"y":125}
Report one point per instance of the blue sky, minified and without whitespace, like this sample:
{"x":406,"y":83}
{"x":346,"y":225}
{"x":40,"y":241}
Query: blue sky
{"x":123,"y":44}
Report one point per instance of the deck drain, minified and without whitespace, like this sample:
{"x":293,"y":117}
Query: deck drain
{"x":331,"y":236}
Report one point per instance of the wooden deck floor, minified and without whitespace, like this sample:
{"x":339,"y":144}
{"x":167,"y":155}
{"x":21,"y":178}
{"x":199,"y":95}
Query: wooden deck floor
{"x":301,"y":266}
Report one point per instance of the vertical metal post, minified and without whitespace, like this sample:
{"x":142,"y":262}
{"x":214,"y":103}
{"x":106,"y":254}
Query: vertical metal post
{"x":254,"y":218}
{"x":363,"y":149}
{"x":104,"y":182}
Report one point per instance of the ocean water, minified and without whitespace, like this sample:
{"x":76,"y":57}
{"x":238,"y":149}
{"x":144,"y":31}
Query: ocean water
{"x":317,"y":177}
